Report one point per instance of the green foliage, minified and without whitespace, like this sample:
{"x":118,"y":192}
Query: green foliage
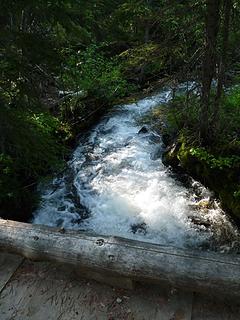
{"x":215,"y":162}
{"x":91,"y":71}
{"x":230,"y":118}
{"x":50,"y":126}
{"x":32,"y":144}
{"x":221,"y":157}
{"x":149,"y":58}
{"x":140,"y":55}
{"x":31,"y":147}
{"x":236,"y":194}
{"x":182,"y":114}
{"x":6,"y":176}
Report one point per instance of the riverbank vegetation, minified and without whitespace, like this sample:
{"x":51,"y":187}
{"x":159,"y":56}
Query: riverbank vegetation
{"x":64,"y":63}
{"x":203,"y":124}
{"x":216,"y":164}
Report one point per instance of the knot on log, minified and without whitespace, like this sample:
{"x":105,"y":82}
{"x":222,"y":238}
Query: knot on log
{"x":99,"y":242}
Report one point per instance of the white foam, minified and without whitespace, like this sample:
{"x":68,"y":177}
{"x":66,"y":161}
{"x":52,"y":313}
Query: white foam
{"x":120,"y":185}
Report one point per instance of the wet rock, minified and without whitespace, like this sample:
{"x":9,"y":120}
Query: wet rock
{"x":205,"y":246}
{"x":76,"y":221}
{"x":73,"y":197}
{"x":139,"y":228}
{"x":225,"y":249}
{"x":107,"y":131}
{"x":143,"y":130}
{"x":119,"y":300}
{"x":62,"y":230}
{"x":156,"y":154}
{"x":200,"y":222}
{"x":185,"y":179}
{"x":169,"y":157}
{"x":154,"y":138}
{"x":61,"y":208}
{"x":167,"y":139}
{"x":128,"y":141}
{"x":59,"y":222}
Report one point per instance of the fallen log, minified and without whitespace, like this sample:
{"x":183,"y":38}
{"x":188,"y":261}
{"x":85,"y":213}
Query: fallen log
{"x":136,"y":260}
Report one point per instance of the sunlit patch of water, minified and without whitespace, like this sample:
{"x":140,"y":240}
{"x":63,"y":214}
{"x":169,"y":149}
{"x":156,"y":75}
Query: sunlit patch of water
{"x":116,"y":184}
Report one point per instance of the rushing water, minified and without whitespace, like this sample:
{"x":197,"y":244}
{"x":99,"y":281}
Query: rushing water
{"x":116,"y":184}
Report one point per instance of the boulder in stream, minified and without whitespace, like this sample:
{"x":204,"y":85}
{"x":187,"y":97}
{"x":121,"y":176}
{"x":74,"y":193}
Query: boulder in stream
{"x":143,"y":130}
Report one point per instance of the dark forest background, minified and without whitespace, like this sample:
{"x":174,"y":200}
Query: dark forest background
{"x":64,"y":63}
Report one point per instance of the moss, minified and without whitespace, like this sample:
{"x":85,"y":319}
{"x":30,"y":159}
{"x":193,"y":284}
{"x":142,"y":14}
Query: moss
{"x":140,"y":55}
{"x":183,"y":155}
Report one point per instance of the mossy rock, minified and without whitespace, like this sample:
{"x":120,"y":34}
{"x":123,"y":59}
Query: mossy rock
{"x":222,"y":182}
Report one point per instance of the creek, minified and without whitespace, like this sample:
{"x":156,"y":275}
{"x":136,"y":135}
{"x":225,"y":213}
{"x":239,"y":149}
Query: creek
{"x":116,"y":184}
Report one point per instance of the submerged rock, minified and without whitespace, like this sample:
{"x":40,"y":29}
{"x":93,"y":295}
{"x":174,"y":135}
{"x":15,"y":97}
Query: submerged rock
{"x":62,"y":208}
{"x":166,"y":138}
{"x":139,"y":228}
{"x":200,"y":222}
{"x":156,"y":154}
{"x":143,"y":130}
{"x":169,"y":157}
{"x":59,"y":222}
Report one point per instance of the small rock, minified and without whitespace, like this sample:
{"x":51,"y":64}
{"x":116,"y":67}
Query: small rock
{"x":59,"y":222}
{"x":173,"y":291}
{"x":139,"y":228}
{"x":62,"y":208}
{"x":62,"y":230}
{"x":224,"y":249}
{"x":119,"y":300}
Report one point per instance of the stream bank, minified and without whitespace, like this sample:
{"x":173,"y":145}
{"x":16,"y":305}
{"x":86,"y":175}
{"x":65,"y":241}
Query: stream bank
{"x":223,"y":182}
{"x":216,"y":163}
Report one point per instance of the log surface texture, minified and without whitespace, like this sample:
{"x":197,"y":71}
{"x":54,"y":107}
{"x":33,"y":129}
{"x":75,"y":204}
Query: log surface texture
{"x":141,"y":261}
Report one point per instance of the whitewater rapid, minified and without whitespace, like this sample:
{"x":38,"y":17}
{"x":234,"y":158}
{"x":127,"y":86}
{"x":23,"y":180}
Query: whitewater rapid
{"x":116,"y":184}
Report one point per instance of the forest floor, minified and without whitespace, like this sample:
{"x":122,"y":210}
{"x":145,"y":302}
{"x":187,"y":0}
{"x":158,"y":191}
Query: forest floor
{"x":39,"y":290}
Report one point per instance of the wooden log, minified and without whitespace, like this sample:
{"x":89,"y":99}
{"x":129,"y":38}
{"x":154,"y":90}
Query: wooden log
{"x":141,"y":261}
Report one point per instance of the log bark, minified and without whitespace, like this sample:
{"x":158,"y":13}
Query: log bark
{"x":140,"y":261}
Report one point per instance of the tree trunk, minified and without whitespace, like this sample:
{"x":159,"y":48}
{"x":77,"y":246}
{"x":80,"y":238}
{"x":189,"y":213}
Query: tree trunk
{"x":209,"y":63}
{"x":222,"y":64}
{"x":148,"y":24}
{"x":146,"y":40}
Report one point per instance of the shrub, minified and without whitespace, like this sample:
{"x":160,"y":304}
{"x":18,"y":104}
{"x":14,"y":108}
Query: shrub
{"x":91,"y":71}
{"x":30,"y":148}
